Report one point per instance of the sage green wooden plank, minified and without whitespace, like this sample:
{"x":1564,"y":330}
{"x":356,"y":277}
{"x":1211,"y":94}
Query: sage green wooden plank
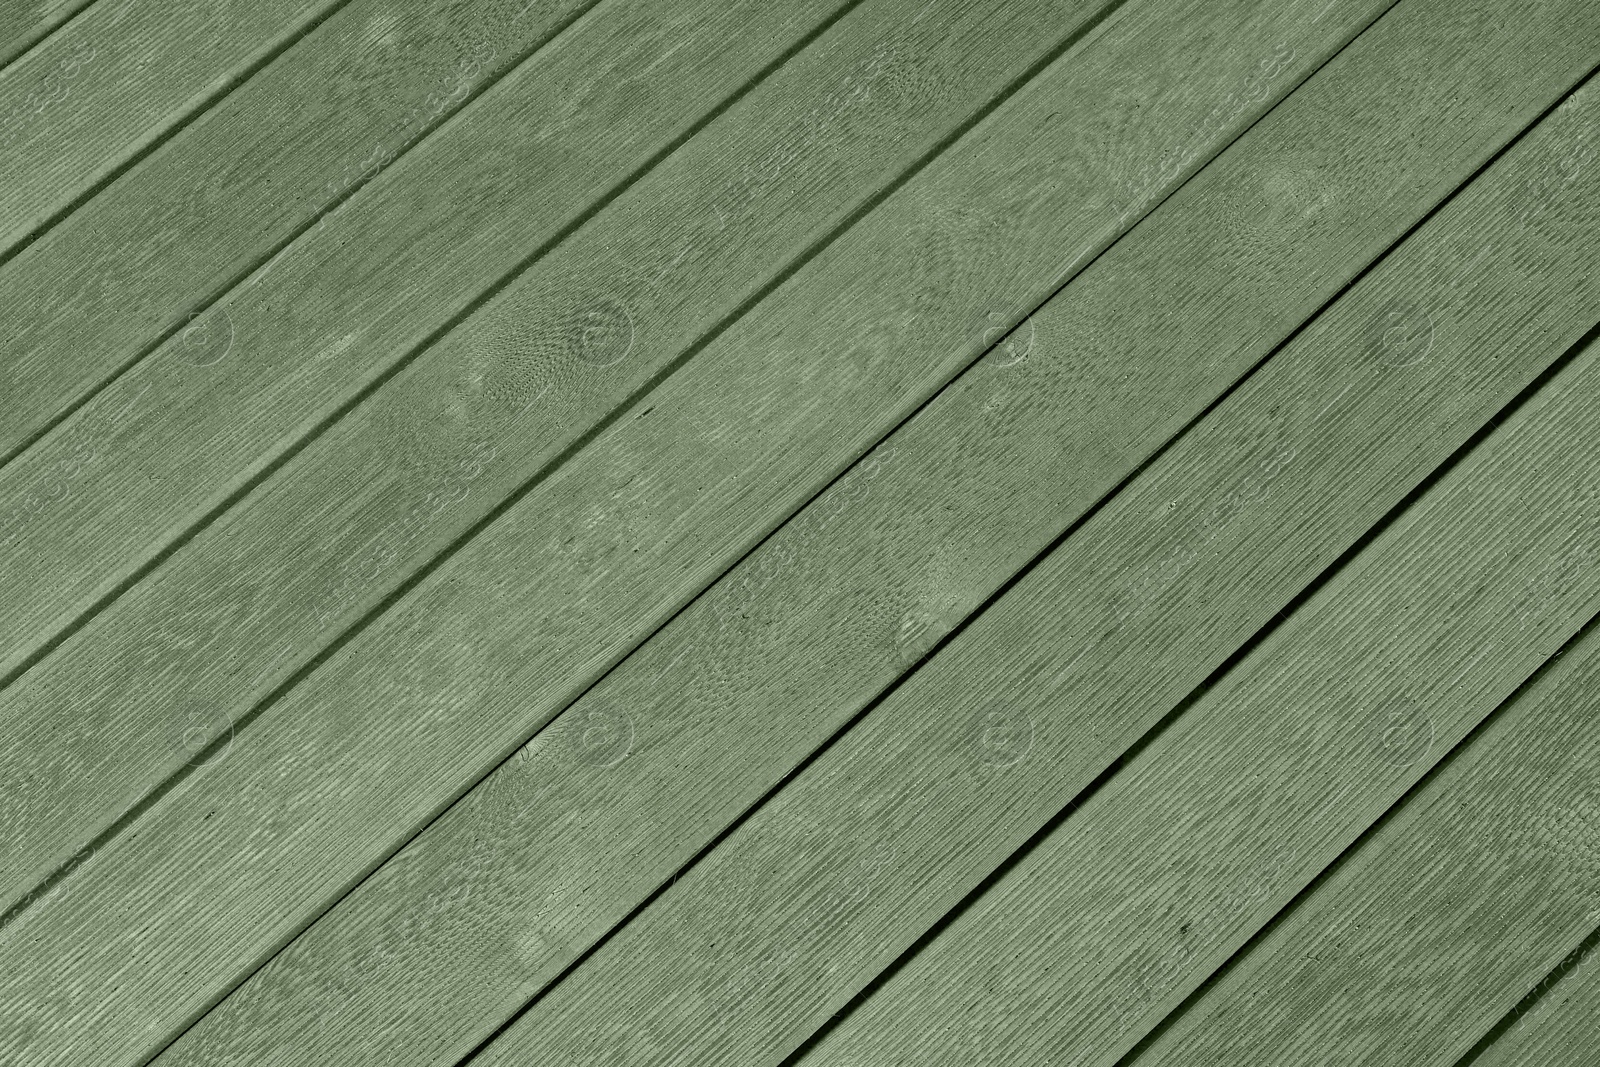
{"x":1129,"y":903}
{"x":23,"y":23}
{"x":478,"y":913}
{"x":131,"y":266}
{"x":1203,"y":836}
{"x":170,"y":441}
{"x":415,"y":761}
{"x":1435,"y":927}
{"x":116,"y":80}
{"x":160,"y":674}
{"x":1559,"y":1028}
{"x":850,"y":863}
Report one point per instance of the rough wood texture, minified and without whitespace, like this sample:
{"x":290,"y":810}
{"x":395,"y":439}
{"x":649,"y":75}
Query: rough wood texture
{"x":117,"y":80}
{"x":1555,"y":1024}
{"x":435,"y":451}
{"x":860,"y":853}
{"x":133,"y":265}
{"x":169,"y":442}
{"x":222,"y":822}
{"x":23,"y":23}
{"x":1499,"y":853}
{"x":477,"y":914}
{"x":458,"y":603}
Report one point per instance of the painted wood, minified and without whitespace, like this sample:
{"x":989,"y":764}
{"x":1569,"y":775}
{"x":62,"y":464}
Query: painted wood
{"x":414,"y":753}
{"x":158,"y":677}
{"x":1129,"y":903}
{"x":117,"y":80}
{"x":782,"y":652}
{"x":1557,"y":1027}
{"x":23,"y":23}
{"x":136,"y":264}
{"x":760,"y":942}
{"x":1480,"y":885}
{"x":168,"y":444}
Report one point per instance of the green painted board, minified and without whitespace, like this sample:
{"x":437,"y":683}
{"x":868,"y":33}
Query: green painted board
{"x":1557,"y":1027}
{"x":478,"y":910}
{"x":1199,"y":839}
{"x":130,"y":267}
{"x":170,"y":442}
{"x":1482,"y":883}
{"x":289,"y":745}
{"x":831,"y":879}
{"x":23,"y":23}
{"x":254,"y":599}
{"x":116,"y":81}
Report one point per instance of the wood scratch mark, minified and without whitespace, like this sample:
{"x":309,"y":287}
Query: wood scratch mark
{"x":1329,"y":406}
{"x":681,"y":653}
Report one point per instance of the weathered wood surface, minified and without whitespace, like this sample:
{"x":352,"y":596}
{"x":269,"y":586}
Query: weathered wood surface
{"x":428,"y":758}
{"x":114,"y":82}
{"x":172,"y":441}
{"x":432,"y":454}
{"x":830,"y":880}
{"x":134,"y":265}
{"x":23,"y":23}
{"x":1555,"y":1024}
{"x":750,"y":678}
{"x":1481,"y":884}
{"x":407,"y":463}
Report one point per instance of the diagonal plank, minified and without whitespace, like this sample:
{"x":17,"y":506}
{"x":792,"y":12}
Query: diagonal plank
{"x":1431,"y":930}
{"x":474,"y":913}
{"x":239,"y":822}
{"x":158,"y":677}
{"x":115,"y":82}
{"x":131,"y":267}
{"x":171,"y":441}
{"x":1126,"y":905}
{"x":24,"y":23}
{"x":1205,"y":834}
{"x":846,"y":867}
{"x":1555,"y":1025}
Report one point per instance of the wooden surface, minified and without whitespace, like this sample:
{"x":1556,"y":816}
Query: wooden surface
{"x":847,"y":532}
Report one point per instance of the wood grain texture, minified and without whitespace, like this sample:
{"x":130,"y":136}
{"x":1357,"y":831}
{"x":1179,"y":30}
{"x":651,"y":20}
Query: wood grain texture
{"x":478,"y":913}
{"x":171,"y":441}
{"x":137,"y":263}
{"x":239,"y":822}
{"x":116,"y":80}
{"x":23,"y":23}
{"x":489,"y":518}
{"x":1484,"y":881}
{"x":1557,"y":1028}
{"x":436,"y":450}
{"x":1205,"y":834}
{"x":762,"y":940}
